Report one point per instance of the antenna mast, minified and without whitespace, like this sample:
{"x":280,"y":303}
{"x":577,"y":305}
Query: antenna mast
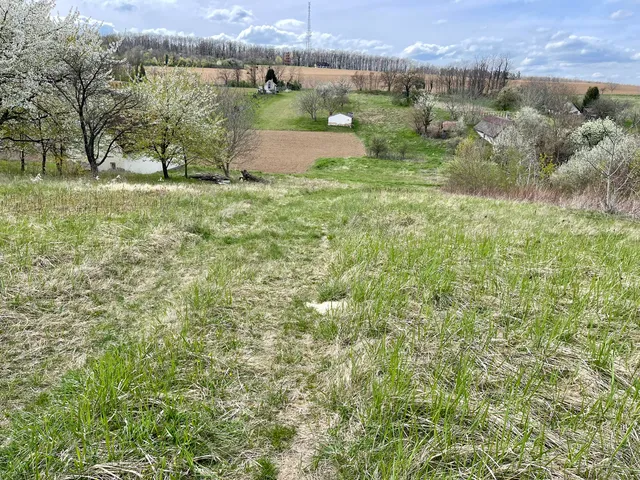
{"x":309,"y":31}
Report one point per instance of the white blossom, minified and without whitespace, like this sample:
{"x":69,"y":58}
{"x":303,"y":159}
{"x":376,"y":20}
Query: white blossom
{"x":30,"y":42}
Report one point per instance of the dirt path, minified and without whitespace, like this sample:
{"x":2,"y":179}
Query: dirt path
{"x":295,"y":152}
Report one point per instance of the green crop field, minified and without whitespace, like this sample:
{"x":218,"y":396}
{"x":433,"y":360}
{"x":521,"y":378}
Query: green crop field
{"x":161,"y":330}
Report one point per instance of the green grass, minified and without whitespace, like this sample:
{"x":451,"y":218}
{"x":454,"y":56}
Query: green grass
{"x":161,"y":330}
{"x":279,"y":112}
{"x":378,"y":172}
{"x":625,"y":98}
{"x":375,"y":115}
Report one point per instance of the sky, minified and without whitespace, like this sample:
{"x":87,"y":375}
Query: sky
{"x":588,"y":39}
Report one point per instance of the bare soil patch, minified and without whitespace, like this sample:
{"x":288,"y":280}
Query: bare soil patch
{"x":295,"y":152}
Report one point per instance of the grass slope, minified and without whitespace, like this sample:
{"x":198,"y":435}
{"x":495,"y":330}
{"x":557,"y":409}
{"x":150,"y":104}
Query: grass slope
{"x":160,"y":331}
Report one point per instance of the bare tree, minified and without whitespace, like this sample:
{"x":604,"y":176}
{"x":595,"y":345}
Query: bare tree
{"x":452,"y":104}
{"x":388,"y":78}
{"x":237,"y":74}
{"x":374,"y":81}
{"x":252,"y":74}
{"x":407,"y":81}
{"x":309,"y":103}
{"x":359,"y":80}
{"x":239,"y":137}
{"x":224,"y":75}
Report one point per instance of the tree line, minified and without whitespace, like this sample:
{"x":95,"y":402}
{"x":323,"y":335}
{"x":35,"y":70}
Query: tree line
{"x":478,"y":77}
{"x":208,"y":52}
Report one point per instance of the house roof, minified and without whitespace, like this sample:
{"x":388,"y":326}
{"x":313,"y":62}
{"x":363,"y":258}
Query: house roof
{"x":493,"y":126}
{"x":571,"y":108}
{"x":340,"y":116}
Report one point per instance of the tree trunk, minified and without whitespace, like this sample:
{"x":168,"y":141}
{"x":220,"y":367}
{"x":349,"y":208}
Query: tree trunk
{"x":44,"y":161}
{"x":610,"y":200}
{"x":165,"y":170}
{"x":59,"y":166}
{"x":94,"y":169}
{"x":186,"y":175}
{"x":22,"y":161}
{"x":225,"y":169}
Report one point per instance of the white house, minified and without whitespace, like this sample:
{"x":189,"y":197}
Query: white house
{"x":270,"y":87}
{"x":340,"y":120}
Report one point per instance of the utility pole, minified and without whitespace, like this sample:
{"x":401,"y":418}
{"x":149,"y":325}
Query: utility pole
{"x":309,"y":36}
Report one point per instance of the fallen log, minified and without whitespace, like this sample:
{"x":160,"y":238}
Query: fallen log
{"x":248,"y":177}
{"x":211,"y":177}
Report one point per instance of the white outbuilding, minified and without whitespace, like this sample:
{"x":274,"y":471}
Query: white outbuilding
{"x":340,"y":120}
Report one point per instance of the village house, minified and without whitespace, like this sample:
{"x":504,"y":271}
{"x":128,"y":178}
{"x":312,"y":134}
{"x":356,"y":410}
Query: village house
{"x":491,"y":127}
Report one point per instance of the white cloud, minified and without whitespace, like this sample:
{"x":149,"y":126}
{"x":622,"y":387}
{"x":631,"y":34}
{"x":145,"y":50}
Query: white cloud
{"x":162,"y":31}
{"x":442,"y":21}
{"x":428,"y":51}
{"x":289,"y":24}
{"x":584,"y":49}
{"x":272,"y":35}
{"x":621,"y":14}
{"x":222,"y":36}
{"x":131,"y":5}
{"x":235,"y":14}
{"x":268,"y":35}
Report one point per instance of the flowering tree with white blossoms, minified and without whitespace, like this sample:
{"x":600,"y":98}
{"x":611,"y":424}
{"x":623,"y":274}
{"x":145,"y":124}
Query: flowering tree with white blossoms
{"x":30,"y":40}
{"x":424,"y":109}
{"x":521,"y":141}
{"x":606,"y":154}
{"x":84,"y":81}
{"x":175,"y":108}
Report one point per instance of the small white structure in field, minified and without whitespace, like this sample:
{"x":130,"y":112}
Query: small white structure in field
{"x":340,"y":120}
{"x":270,"y":87}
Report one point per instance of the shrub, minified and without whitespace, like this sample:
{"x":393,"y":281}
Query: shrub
{"x":472,"y":171}
{"x":593,"y":94}
{"x":607,"y":160}
{"x":608,"y":108}
{"x":240,"y":84}
{"x":400,"y":100}
{"x":378,"y":147}
{"x":403,"y":148}
{"x":508,"y":99}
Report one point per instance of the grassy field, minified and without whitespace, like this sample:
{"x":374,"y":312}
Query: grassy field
{"x":373,"y":114}
{"x":635,"y":99}
{"x":161,"y":330}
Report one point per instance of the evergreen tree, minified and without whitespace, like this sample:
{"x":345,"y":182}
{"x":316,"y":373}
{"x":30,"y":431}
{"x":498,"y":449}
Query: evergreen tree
{"x":271,"y":75}
{"x":593,"y":94}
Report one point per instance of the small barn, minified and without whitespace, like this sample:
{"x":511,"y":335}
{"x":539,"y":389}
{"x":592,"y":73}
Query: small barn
{"x":340,"y":120}
{"x":491,"y":127}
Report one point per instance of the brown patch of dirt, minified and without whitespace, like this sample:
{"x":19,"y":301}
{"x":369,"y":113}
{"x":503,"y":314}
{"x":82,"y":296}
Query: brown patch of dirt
{"x":295,"y":152}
